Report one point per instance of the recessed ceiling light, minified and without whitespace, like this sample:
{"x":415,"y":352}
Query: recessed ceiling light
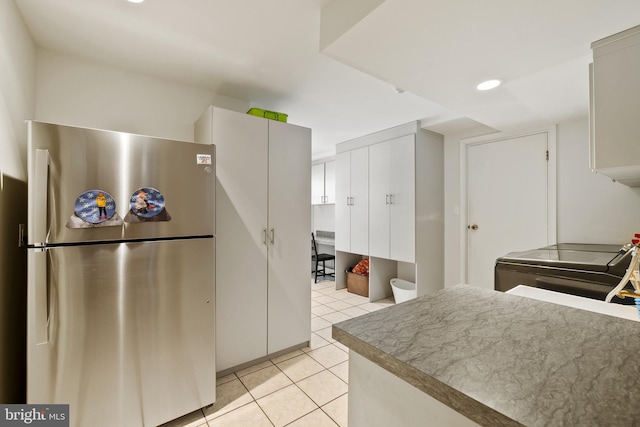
{"x":135,"y":1}
{"x":489,"y":84}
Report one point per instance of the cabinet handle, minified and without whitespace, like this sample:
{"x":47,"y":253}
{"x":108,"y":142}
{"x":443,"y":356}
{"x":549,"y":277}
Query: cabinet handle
{"x":353,"y":200}
{"x":386,"y":199}
{"x":264,"y":236}
{"x":390,"y":199}
{"x":273,"y":236}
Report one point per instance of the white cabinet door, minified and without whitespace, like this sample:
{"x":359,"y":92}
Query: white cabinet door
{"x":330,"y":182}
{"x":379,"y":199}
{"x":317,"y":184}
{"x":323,"y":183}
{"x":343,"y":207}
{"x":392,"y":199}
{"x":402,"y":207}
{"x":241,"y":255}
{"x":289,"y":293}
{"x":360,"y":201}
{"x":616,"y":96}
{"x":614,"y":104}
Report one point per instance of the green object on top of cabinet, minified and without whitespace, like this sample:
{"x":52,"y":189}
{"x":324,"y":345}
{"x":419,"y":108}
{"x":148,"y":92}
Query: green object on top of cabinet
{"x":271,"y":115}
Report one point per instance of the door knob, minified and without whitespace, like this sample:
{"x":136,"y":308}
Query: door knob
{"x":473,"y":227}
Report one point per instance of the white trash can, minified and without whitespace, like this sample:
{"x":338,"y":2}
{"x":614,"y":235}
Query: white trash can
{"x":403,"y":290}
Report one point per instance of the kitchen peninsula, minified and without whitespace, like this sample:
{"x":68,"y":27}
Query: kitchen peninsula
{"x":465,"y":356}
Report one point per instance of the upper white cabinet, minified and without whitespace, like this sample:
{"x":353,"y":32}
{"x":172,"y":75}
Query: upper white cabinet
{"x":352,"y":201}
{"x":317,"y":184}
{"x":263,"y":218}
{"x":330,"y":182}
{"x":392,"y":199}
{"x":615,"y":102}
{"x":390,"y":206}
{"x":323,"y":183}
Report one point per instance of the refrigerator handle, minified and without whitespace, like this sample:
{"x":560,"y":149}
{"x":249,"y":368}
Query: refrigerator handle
{"x":41,"y":185}
{"x":38,"y":283}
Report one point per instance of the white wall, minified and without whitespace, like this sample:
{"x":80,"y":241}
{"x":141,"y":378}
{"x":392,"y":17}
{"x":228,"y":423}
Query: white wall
{"x":17,"y":74}
{"x":590,"y":207}
{"x":89,"y":94}
{"x":323,"y":218}
{"x":17,"y":91}
{"x":452,"y":209}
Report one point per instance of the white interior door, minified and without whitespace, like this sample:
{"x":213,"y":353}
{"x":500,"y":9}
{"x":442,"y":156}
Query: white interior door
{"x":506,"y":202}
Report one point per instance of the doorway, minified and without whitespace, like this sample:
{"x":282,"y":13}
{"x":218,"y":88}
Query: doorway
{"x":508,"y":199}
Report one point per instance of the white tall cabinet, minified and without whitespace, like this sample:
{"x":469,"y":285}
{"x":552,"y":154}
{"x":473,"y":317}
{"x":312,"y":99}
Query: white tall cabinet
{"x":263,"y":213}
{"x":402,"y":173}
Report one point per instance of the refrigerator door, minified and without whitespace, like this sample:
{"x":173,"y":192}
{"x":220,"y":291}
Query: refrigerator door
{"x":70,"y":166}
{"x":122,"y":332}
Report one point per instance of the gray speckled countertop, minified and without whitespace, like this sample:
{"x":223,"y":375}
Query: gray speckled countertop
{"x":505,"y":360}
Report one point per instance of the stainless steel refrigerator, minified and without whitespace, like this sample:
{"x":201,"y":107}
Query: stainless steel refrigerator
{"x":120,"y":275}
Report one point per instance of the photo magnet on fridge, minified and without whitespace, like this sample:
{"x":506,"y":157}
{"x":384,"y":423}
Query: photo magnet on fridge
{"x":147,"y":205}
{"x":94,"y":208}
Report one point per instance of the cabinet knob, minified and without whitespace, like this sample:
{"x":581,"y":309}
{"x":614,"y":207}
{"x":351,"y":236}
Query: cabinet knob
{"x":473,"y":227}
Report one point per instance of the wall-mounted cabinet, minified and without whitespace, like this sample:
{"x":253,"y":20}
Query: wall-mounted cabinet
{"x":323,"y":183}
{"x":615,"y":102}
{"x":352,"y":201}
{"x":392,"y":199}
{"x":404,"y":219}
{"x":263,"y":175}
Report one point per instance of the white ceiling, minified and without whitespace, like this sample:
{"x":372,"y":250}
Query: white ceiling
{"x":268,"y":53}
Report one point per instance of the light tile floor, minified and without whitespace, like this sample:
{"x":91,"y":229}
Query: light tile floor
{"x":304,"y":388}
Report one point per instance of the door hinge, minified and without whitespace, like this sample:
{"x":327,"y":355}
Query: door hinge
{"x":547,"y":155}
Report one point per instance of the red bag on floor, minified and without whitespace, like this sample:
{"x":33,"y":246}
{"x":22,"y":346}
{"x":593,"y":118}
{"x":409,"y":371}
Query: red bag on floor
{"x":362,"y":267}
